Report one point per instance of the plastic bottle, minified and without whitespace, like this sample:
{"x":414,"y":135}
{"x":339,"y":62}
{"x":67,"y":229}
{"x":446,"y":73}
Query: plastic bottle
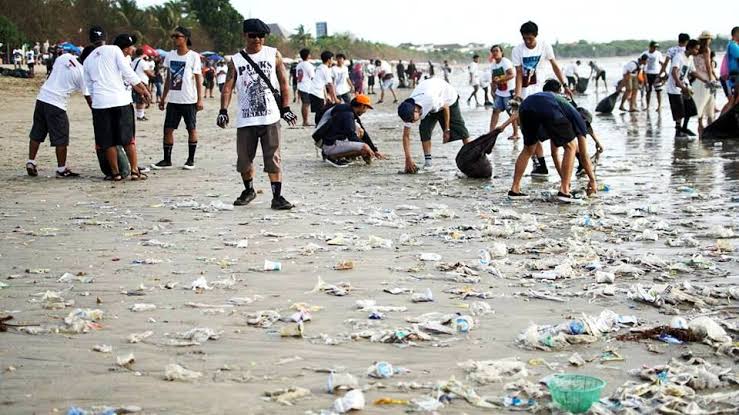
{"x":382,"y":370}
{"x":485,"y":257}
{"x":576,"y":327}
{"x":463,"y":324}
{"x":272,"y":265}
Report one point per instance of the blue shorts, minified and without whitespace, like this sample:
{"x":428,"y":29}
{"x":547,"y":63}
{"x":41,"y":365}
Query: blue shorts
{"x":501,"y":103}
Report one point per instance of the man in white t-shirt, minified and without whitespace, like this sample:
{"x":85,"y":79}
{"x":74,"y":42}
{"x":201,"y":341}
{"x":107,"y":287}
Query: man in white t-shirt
{"x":630,"y":81}
{"x":140,"y":65}
{"x":17,"y":58}
{"x":682,"y":40}
{"x":340,"y":75}
{"x":221,"y":72}
{"x":387,"y":80}
{"x":322,"y":90}
{"x":652,"y":69}
{"x":31,"y":61}
{"x":304,"y":72}
{"x":433,"y":102}
{"x":678,"y":88}
{"x":473,"y":69}
{"x":108,"y":76}
{"x":502,"y":75}
{"x":369,"y":71}
{"x":529,"y":59}
{"x":571,"y":75}
{"x":50,"y":115}
{"x":184,"y":89}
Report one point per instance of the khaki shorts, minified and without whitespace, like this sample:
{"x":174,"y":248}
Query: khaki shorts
{"x":632,"y":84}
{"x":343,"y":147}
{"x":247,"y":139}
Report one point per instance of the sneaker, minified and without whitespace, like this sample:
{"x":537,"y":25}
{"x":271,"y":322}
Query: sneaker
{"x":688,"y":132}
{"x":338,"y":163}
{"x":189,"y":165}
{"x":564,"y":197}
{"x":162,"y":165}
{"x":246,"y":197}
{"x":281,"y":204}
{"x":540,"y":171}
{"x":517,"y":196}
{"x":427,"y":164}
{"x":66,"y":173}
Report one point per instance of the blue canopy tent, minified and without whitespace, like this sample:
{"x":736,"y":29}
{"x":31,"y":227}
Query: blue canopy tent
{"x":161,"y":52}
{"x":70,"y":47}
{"x":215,"y":58}
{"x":208,"y":53}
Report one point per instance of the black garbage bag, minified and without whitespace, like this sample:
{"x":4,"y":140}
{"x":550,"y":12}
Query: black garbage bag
{"x":582,"y":85}
{"x":124,"y":167}
{"x":472,"y":158}
{"x":726,"y":126}
{"x":607,"y":104}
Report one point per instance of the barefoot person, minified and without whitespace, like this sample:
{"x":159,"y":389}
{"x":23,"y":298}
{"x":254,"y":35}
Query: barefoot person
{"x":503,"y":77}
{"x":50,"y":114}
{"x":548,"y":115}
{"x":259,"y":76}
{"x":304,"y":72}
{"x":105,"y":71}
{"x":678,"y":88}
{"x":630,"y":82}
{"x":184,"y":89}
{"x":473,"y":69}
{"x":433,"y":102}
{"x":529,"y":58}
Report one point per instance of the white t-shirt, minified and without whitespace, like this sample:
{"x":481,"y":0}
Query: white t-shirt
{"x":305,"y":71}
{"x":484,"y":75}
{"x":675,"y":50}
{"x":256,"y":102}
{"x":532,"y":62}
{"x":500,"y":69}
{"x":17,"y":55}
{"x":631,"y":67}
{"x":474,"y":70}
{"x":221,"y":72}
{"x":321,"y":78}
{"x":182,"y":71}
{"x":65,"y":78}
{"x":431,"y":95}
{"x":106,"y":73}
{"x":139,"y":66}
{"x":385,"y":69}
{"x":685,"y":66}
{"x":654,"y":62}
{"x":341,"y":79}
{"x":571,"y":70}
{"x":370,"y":69}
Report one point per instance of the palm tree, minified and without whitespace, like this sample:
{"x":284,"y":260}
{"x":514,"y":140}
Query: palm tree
{"x":301,"y":38}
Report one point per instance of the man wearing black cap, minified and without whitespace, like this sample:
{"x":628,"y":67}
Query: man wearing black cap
{"x":257,"y":72}
{"x":97,"y":38}
{"x":184,"y":88}
{"x":433,"y":101}
{"x":654,"y":65}
{"x":106,"y":73}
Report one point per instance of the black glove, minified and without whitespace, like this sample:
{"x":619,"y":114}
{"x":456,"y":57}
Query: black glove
{"x":222,"y":120}
{"x":288,"y":115}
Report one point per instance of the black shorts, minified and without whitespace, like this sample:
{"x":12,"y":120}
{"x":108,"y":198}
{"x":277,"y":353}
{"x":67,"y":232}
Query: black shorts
{"x":176,"y":112}
{"x":536,"y":128}
{"x":304,"y":97}
{"x":113,"y":126}
{"x":371,"y":80}
{"x":316,"y":103}
{"x":682,"y":106}
{"x":652,"y":78}
{"x":601,"y":75}
{"x":51,"y":120}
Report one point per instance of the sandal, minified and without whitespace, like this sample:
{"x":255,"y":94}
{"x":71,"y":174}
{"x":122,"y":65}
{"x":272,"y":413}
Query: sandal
{"x":114,"y":177}
{"x":31,"y":169}
{"x":138,"y":175}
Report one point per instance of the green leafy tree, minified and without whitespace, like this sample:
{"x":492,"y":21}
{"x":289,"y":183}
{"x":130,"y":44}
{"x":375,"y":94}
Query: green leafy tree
{"x":10,"y":36}
{"x":222,"y":22}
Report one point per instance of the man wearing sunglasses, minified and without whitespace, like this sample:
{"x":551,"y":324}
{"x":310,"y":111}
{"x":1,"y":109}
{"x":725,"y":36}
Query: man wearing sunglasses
{"x":184,"y":89}
{"x":257,"y":72}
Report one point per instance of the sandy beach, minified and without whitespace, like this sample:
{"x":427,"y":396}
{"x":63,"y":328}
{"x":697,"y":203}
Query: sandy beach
{"x":109,"y":247}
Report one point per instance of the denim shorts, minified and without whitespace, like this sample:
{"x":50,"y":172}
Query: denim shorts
{"x":501,"y":103}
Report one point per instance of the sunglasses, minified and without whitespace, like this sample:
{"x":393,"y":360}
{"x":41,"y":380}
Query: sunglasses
{"x":175,"y":36}
{"x":256,"y":35}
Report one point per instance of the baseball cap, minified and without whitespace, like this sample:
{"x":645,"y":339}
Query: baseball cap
{"x":96,"y":34}
{"x":364,"y":100}
{"x":124,"y":40}
{"x":653,"y":44}
{"x":406,"y":110}
{"x":184,"y":32}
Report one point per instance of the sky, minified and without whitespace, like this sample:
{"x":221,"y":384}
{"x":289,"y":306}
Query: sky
{"x":488,"y":22}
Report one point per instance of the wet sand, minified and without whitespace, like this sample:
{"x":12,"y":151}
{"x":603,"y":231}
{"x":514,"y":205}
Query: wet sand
{"x":98,"y":229}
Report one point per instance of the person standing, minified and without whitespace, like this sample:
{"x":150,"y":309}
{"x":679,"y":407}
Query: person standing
{"x":678,"y":88}
{"x":370,"y":71}
{"x":400,"y":70}
{"x":571,"y":74}
{"x":323,"y":91}
{"x":158,"y":78}
{"x":502,"y":75}
{"x":473,"y":70}
{"x":305,"y":71}
{"x":705,"y":103}
{"x":50,"y":115}
{"x":17,"y":58}
{"x":434,"y":101}
{"x":385,"y":73}
{"x":294,"y":80}
{"x":411,"y":71}
{"x":446,"y":69}
{"x":209,"y":74}
{"x":340,"y":74}
{"x":105,"y":71}
{"x":183,"y":87}
{"x":221,"y":72}
{"x":256,"y":72}
{"x":31,"y":62}
{"x":630,"y":82}
{"x":652,"y":69}
{"x":732,"y":64}
{"x":357,"y":78}
{"x":529,"y":58}
{"x":141,"y":67}
{"x":682,"y":40}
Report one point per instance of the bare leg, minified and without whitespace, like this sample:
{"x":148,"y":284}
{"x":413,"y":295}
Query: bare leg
{"x":395,"y":98}
{"x":61,"y":156}
{"x":426,"y":145}
{"x":111,"y":154}
{"x":568,"y":161}
{"x":582,"y":148}
{"x":249,"y":174}
{"x":521,"y":162}
{"x":494,"y":119}
{"x":132,"y":156}
{"x":304,"y":112}
{"x":169,"y":136}
{"x":33,"y":147}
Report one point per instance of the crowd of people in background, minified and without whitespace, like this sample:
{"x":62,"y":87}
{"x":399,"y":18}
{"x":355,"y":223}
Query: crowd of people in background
{"x":121,"y":81}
